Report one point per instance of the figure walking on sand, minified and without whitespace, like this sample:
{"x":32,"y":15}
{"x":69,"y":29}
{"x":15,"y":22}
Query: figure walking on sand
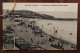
{"x":31,"y":40}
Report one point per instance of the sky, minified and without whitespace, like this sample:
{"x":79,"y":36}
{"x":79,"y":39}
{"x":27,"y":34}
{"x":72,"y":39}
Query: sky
{"x":69,"y":10}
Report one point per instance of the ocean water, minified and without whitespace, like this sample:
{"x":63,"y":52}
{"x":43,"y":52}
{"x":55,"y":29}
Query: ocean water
{"x":61,"y":14}
{"x":66,"y":30}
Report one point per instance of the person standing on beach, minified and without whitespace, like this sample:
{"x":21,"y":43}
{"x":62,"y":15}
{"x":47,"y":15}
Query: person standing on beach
{"x":31,"y":40}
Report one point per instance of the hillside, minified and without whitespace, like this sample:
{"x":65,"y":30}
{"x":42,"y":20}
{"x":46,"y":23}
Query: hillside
{"x":31,"y":14}
{"x":28,"y":14}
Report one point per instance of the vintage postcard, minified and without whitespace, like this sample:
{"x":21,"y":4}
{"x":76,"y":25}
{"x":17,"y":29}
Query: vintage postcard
{"x":40,"y":26}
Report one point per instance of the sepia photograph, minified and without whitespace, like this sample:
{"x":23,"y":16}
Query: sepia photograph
{"x":40,"y":26}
